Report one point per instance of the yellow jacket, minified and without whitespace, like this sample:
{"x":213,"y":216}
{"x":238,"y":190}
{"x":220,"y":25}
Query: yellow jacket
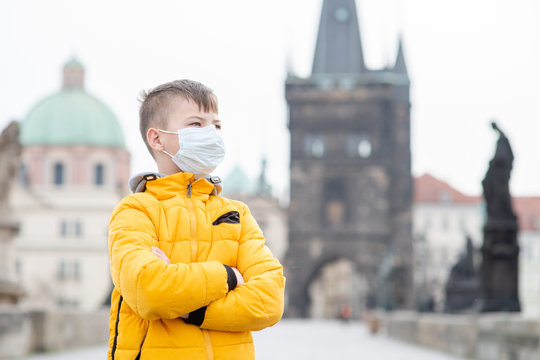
{"x":178,"y":215}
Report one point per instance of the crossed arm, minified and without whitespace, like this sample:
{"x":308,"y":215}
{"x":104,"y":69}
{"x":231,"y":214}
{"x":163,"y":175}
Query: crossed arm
{"x":162,"y":256}
{"x":156,"y":289}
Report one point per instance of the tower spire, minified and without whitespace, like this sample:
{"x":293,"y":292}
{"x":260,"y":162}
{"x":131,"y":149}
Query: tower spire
{"x":400,"y":67}
{"x":339,"y":46}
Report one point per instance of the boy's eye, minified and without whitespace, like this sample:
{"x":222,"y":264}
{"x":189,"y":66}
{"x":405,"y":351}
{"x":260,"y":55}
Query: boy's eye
{"x":218,"y":126}
{"x":196,"y":123}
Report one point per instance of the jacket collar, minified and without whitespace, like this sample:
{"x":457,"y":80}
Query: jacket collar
{"x":162,"y":186}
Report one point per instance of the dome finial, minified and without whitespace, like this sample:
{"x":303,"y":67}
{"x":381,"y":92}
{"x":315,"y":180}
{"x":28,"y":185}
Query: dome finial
{"x":73,"y":74}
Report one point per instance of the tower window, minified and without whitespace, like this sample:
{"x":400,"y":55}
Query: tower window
{"x":69,"y":270}
{"x":341,"y":15}
{"x":335,"y":211}
{"x":18,"y":267}
{"x":358,"y":145}
{"x":58,"y":174}
{"x":63,"y":228}
{"x":99,"y":174}
{"x":315,"y":145}
{"x":71,"y":228}
{"x":78,"y":228}
{"x":23,"y":175}
{"x":445,"y":224}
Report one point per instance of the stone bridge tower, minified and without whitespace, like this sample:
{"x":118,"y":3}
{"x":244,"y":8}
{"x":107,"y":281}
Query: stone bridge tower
{"x":351,"y":183}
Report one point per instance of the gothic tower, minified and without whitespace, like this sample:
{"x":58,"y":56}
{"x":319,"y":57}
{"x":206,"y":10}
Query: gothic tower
{"x":350,"y":182}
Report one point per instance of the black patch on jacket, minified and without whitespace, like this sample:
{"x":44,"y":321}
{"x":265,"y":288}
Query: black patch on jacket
{"x":196,"y":317}
{"x":232,"y":217}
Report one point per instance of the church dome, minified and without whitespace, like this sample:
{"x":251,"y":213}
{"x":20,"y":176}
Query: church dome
{"x":71,"y":116}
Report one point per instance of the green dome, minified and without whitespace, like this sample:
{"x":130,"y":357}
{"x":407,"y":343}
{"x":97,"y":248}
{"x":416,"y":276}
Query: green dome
{"x":237,"y":182}
{"x":71,"y":116}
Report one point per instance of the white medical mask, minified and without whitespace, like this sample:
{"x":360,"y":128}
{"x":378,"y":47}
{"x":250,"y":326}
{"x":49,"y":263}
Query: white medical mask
{"x":201,"y":149}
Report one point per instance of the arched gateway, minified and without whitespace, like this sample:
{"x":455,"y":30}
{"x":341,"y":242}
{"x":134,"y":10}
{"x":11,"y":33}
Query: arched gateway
{"x":351,"y":183}
{"x":338,"y":289}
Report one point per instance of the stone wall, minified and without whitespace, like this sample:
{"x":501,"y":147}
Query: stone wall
{"x":15,"y":332}
{"x":497,"y":336}
{"x":38,"y":331}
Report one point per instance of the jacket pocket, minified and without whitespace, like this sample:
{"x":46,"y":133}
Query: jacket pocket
{"x":232,"y":217}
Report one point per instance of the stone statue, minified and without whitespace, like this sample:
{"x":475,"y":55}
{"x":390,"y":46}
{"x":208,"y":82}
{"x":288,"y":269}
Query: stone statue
{"x":10,"y":152}
{"x":496,"y":183}
{"x":500,"y":250}
{"x":462,"y":286}
{"x":464,"y":268}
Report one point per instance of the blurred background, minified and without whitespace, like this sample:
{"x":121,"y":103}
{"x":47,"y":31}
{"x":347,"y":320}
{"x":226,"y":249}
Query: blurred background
{"x":408,"y":88}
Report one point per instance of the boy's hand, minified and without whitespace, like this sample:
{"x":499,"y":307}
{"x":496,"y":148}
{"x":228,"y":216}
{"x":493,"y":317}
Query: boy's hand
{"x":160,"y":254}
{"x":239,"y":277}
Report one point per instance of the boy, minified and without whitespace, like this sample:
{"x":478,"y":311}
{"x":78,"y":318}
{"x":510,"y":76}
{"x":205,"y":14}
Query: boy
{"x":191,"y":272}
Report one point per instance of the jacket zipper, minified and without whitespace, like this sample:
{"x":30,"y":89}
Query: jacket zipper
{"x":194,"y":250}
{"x":192,"y":224}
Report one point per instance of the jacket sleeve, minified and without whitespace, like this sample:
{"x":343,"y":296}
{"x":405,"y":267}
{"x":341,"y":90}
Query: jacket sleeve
{"x":153,"y":289}
{"x":258,"y":303}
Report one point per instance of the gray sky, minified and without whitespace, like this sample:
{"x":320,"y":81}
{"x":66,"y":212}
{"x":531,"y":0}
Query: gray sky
{"x":469,"y":62}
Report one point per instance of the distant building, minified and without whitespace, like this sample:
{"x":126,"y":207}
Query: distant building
{"x":350,"y":180}
{"x":527,"y":210}
{"x":265,"y":208}
{"x":74,"y":169}
{"x":443,"y":217}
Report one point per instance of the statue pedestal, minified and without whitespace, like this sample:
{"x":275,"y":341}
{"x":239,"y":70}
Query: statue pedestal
{"x":10,"y":290}
{"x":499,"y":271}
{"x":461,"y":296}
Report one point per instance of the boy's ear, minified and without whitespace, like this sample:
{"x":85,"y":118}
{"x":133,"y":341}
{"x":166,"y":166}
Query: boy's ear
{"x":152,"y":136}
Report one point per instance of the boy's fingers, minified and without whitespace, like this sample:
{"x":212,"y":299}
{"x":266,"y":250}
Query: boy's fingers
{"x":160,"y":254}
{"x":239,"y":277}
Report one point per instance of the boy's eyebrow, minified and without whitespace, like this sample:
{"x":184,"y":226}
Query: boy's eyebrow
{"x":202,"y":118}
{"x":195,"y":117}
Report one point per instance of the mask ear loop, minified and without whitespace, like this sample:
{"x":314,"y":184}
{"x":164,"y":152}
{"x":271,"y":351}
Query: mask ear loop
{"x":168,"y":132}
{"x":165,"y":152}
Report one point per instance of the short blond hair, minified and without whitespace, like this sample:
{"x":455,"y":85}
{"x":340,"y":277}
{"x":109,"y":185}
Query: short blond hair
{"x":155,"y":103}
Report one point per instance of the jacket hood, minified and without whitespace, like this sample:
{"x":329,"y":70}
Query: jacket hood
{"x":138,"y":182}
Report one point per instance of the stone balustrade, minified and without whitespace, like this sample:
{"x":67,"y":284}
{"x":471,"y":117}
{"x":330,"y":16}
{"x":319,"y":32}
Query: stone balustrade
{"x":491,"y":336}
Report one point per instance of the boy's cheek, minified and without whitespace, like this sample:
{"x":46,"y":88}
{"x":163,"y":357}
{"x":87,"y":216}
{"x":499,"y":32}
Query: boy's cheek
{"x":171,"y":143}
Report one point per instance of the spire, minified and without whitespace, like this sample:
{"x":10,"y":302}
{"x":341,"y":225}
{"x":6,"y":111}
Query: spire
{"x":400,"y":67}
{"x":73,"y":75}
{"x":263,"y":188}
{"x":289,"y":64}
{"x":339,"y":47}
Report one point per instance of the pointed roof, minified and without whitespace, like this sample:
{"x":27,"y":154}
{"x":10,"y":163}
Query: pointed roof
{"x":527,"y":209}
{"x":428,"y":189}
{"x":339,"y":46}
{"x":400,"y":67}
